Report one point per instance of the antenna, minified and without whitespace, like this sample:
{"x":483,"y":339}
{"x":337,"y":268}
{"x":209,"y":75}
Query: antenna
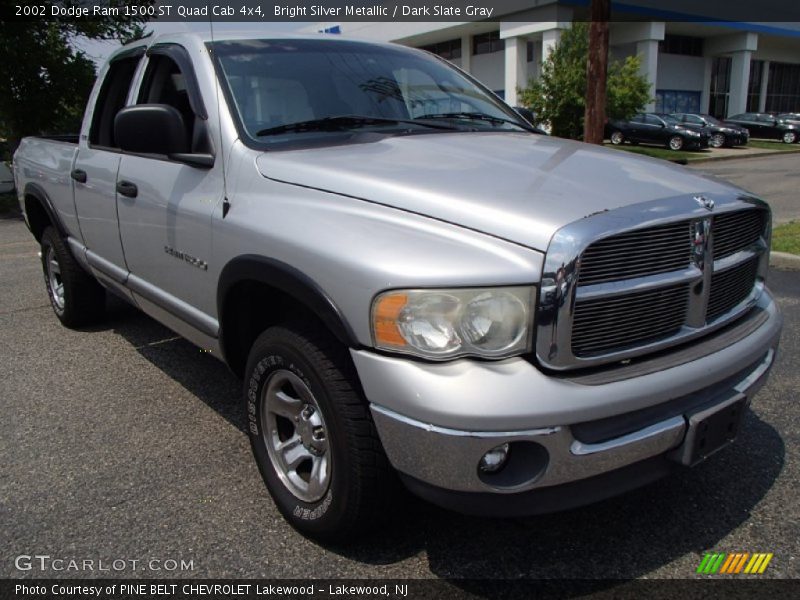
{"x":226,"y":205}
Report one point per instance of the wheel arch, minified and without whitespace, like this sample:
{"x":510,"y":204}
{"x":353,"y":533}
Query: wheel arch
{"x":39,"y":212}
{"x":255,"y":292}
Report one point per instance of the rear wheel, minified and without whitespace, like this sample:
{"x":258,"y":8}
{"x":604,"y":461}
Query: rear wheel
{"x":312,"y":434}
{"x":617,"y":138}
{"x":717,"y":140}
{"x":76,"y":297}
{"x":789,"y":137}
{"x":675,"y":142}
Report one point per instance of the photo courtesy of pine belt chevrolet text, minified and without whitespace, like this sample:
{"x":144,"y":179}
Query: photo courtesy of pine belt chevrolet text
{"x":417,"y":287}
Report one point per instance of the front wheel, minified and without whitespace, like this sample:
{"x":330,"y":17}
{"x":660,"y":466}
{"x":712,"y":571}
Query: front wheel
{"x":717,"y":140}
{"x":789,"y":137}
{"x":312,"y":434}
{"x":617,"y":138}
{"x":76,"y":297}
{"x":675,"y":142}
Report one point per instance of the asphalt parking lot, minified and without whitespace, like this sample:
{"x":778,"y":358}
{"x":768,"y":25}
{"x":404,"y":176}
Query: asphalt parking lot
{"x":125,"y":442}
{"x":775,"y":178}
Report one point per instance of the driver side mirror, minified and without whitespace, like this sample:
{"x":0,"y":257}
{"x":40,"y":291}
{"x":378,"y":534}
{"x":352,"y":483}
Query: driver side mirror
{"x":527,"y":114}
{"x":157,"y":129}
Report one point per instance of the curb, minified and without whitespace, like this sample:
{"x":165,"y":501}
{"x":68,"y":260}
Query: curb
{"x":784,"y":261}
{"x":696,"y":161}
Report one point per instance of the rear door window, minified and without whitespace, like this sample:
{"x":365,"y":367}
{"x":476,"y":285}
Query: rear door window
{"x":110,"y":100}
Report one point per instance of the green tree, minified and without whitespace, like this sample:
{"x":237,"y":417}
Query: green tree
{"x":46,"y":81}
{"x":558,"y":96}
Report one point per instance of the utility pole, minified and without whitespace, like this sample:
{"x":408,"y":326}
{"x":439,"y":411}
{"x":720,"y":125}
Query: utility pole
{"x":597,"y":72}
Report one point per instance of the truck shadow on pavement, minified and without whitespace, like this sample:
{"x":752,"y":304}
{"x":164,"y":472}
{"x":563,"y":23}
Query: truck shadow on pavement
{"x":621,"y":538}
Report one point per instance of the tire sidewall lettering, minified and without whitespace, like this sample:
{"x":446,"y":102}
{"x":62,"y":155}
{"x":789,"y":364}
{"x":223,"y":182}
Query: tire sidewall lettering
{"x":260,"y":374}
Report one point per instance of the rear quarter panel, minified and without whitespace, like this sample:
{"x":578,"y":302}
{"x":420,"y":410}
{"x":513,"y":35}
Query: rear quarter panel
{"x":46,"y":165}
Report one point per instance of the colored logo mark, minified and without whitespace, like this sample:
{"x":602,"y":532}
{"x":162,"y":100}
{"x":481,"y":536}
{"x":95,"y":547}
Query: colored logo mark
{"x":735,"y":563}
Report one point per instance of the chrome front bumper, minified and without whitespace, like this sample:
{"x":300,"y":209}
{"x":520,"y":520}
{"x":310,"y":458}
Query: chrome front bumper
{"x":447,"y":457}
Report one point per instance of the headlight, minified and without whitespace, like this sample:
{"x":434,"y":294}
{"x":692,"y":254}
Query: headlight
{"x":444,"y":324}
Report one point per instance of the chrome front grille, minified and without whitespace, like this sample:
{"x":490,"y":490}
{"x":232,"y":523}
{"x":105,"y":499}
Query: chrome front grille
{"x":646,"y":252}
{"x":601,"y":325}
{"x":610,"y":293}
{"x":730,"y":287}
{"x":734,"y":231}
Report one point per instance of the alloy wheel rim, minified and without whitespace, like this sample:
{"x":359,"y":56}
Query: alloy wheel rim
{"x":54,"y":280}
{"x":675,"y":144}
{"x":717,"y":140}
{"x":616,"y":137}
{"x":296,"y":436}
{"x":789,"y":137}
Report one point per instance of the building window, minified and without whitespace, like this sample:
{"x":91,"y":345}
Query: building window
{"x":783,"y":88}
{"x":681,"y":44}
{"x":754,"y":86}
{"x":449,"y":50}
{"x":677,"y":101}
{"x":529,"y":52}
{"x":486,"y":43}
{"x":720,"y":86}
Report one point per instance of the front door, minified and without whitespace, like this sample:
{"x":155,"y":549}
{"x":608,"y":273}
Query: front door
{"x":166,"y":208}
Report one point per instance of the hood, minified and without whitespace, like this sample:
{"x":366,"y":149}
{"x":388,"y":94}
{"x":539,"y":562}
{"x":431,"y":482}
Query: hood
{"x":516,"y":186}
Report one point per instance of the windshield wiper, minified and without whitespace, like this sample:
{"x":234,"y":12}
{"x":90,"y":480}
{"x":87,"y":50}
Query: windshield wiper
{"x":346,"y":122}
{"x":478,"y":116}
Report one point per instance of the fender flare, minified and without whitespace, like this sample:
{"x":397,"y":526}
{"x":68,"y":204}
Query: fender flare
{"x":35,"y":190}
{"x":289,"y":280}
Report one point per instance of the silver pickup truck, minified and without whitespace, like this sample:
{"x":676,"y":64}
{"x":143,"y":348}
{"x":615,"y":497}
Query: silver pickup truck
{"x":414,"y":284}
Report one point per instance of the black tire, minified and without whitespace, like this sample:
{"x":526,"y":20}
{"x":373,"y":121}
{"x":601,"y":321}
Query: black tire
{"x":617,"y":137}
{"x":718,"y":140}
{"x":676,"y":143}
{"x":360,"y":482}
{"x":76,"y":297}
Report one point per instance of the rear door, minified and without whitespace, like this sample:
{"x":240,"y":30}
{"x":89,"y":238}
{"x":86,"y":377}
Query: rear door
{"x":766,"y":127}
{"x":652,"y":130}
{"x":749,"y":121}
{"x":95,"y":170}
{"x":634,"y":128}
{"x":165,"y":225}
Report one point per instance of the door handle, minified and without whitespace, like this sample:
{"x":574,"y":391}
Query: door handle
{"x":126,"y":188}
{"x":78,"y":175}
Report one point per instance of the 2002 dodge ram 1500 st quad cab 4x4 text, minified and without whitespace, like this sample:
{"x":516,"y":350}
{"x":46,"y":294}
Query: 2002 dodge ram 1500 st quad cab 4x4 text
{"x":410,"y":279}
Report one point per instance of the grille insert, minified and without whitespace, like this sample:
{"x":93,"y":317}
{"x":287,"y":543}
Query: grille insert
{"x":637,"y":253}
{"x":736,"y":231}
{"x":730,"y":287}
{"x":602,"y":325}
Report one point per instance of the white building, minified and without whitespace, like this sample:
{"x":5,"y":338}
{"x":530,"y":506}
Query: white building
{"x":722,"y":68}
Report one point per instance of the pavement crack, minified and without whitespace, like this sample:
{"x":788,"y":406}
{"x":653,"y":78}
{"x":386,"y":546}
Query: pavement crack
{"x":21,"y":310}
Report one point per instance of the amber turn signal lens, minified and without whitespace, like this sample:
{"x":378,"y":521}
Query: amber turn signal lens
{"x":384,"y":319}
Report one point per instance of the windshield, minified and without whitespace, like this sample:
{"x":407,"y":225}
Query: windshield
{"x":671,"y":120}
{"x":278,"y":83}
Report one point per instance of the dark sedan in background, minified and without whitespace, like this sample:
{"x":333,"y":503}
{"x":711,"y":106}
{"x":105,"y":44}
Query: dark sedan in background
{"x":720,"y":133}
{"x":766,"y":126}
{"x":793,"y":118}
{"x":650,"y":128}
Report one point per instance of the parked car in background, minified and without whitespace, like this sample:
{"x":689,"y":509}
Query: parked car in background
{"x":6,"y":179}
{"x":766,"y":126}
{"x":650,"y":128}
{"x":720,"y":133}
{"x":789,"y":117}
